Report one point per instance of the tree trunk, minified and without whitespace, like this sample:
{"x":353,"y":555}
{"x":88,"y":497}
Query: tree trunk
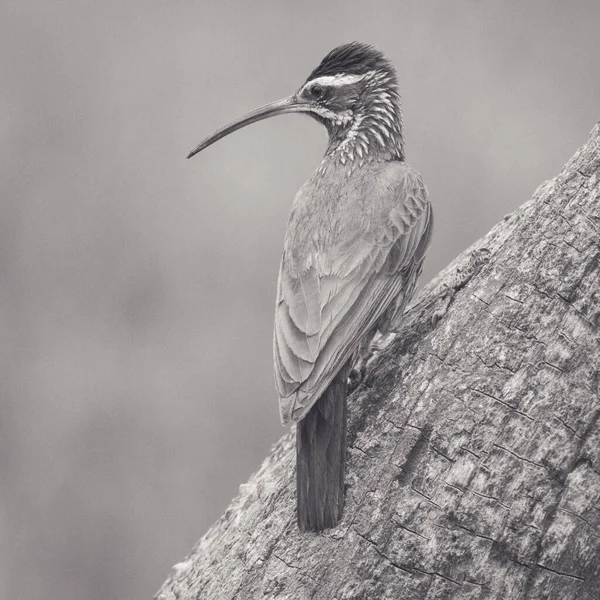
{"x":474,"y":440}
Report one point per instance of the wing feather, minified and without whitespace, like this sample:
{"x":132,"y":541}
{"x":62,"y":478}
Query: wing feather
{"x":303,"y":346}
{"x":325,"y":309}
{"x":308,"y":309}
{"x":297,"y":368}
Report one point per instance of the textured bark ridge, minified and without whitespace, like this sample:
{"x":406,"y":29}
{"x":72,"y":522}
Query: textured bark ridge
{"x":474,"y":440}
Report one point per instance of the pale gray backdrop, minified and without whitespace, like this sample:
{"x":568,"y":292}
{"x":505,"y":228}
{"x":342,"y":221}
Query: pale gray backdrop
{"x":137,"y":287}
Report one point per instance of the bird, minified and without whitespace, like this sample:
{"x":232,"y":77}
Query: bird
{"x":353,"y":251}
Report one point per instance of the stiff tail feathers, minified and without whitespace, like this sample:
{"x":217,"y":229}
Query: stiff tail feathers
{"x":321,"y":458}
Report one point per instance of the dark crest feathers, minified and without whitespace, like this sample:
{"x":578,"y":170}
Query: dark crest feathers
{"x":355,"y":58}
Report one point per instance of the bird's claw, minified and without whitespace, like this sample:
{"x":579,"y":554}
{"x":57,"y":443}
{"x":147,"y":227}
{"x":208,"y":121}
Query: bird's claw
{"x":357,"y":375}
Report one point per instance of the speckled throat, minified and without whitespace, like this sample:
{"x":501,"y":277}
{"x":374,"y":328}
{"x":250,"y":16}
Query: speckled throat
{"x":373,"y":131}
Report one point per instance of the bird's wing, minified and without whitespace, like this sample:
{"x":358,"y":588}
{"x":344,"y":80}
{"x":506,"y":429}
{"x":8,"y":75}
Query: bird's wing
{"x":323,"y":311}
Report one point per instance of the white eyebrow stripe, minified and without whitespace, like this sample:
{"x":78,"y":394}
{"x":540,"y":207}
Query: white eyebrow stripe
{"x":336,"y":80}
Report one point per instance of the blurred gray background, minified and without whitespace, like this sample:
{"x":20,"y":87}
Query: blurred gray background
{"x":137,"y":288}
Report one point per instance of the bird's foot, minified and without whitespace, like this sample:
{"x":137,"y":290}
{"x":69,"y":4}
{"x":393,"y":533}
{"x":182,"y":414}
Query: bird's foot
{"x":359,"y":371}
{"x":357,"y":375}
{"x":380,"y":342}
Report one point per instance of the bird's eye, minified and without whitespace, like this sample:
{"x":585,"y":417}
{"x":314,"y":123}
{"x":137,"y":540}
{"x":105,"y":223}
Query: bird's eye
{"x":316,"y":91}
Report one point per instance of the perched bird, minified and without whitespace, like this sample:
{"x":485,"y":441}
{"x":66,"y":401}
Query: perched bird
{"x":354,"y":248}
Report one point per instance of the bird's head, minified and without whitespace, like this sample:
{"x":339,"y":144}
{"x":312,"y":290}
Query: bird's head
{"x":354,"y":94}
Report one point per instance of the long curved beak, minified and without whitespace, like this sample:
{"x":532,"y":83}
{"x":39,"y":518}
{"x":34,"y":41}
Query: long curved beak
{"x":279,"y":107}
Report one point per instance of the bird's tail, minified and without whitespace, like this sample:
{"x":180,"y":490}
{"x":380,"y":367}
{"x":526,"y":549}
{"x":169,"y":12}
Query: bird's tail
{"x":321,"y":458}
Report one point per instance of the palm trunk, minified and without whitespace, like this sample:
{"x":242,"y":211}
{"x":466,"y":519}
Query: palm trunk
{"x":473,"y":442}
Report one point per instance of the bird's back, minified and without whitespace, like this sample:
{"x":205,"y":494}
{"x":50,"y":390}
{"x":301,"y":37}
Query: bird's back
{"x":350,"y":246}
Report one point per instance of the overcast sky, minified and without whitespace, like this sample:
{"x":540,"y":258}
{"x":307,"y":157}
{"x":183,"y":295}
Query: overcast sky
{"x":137,"y":288}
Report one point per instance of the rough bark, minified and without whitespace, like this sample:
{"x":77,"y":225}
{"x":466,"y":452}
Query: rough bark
{"x":474,"y":440}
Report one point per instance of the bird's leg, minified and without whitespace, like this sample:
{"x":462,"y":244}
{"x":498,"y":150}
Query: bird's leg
{"x":357,"y":374}
{"x":361,"y":357}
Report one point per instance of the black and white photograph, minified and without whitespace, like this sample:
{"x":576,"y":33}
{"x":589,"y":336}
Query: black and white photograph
{"x":300,"y":300}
